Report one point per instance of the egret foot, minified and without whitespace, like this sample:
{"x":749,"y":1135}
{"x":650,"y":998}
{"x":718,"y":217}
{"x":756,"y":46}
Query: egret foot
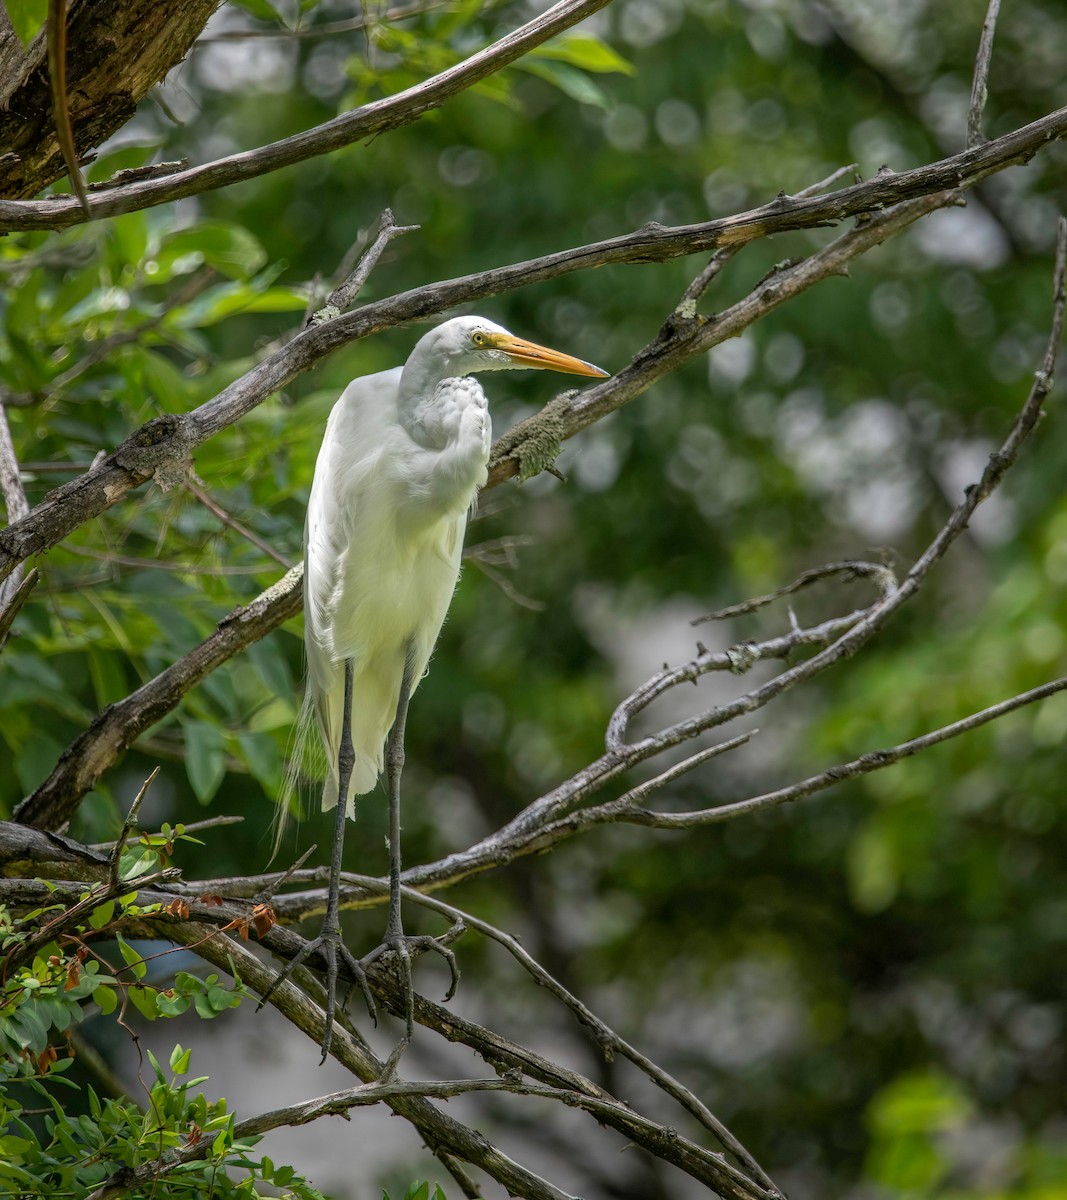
{"x":401,"y":945}
{"x":330,"y":945}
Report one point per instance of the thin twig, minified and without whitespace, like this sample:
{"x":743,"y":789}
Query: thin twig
{"x":328,"y":28}
{"x":192,"y":827}
{"x":815,"y":189}
{"x":267,"y":892}
{"x":127,"y":828}
{"x":687,"y":306}
{"x":497,"y":552}
{"x":874,"y":760}
{"x":141,"y":563}
{"x":347,"y":290}
{"x":198,"y":489}
{"x":13,"y":590}
{"x":17,"y":597}
{"x":981,"y":75}
{"x":606,"y":1038}
{"x":881,"y":574}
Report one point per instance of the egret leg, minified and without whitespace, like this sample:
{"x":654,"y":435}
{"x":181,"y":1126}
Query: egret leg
{"x":395,"y":938}
{"x":329,"y":942}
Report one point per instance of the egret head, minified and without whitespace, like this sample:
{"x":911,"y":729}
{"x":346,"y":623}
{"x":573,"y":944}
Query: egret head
{"x":466,"y":345}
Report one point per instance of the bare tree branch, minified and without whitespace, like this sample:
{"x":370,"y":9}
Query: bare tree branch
{"x":161,"y":448}
{"x":13,"y":589}
{"x":349,"y":288}
{"x":198,"y":489}
{"x":374,"y":118}
{"x":17,"y":598}
{"x":981,"y":75}
{"x":57,"y":798}
{"x":608,"y":1041}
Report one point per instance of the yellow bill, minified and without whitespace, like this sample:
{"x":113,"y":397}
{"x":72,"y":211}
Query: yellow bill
{"x":541,"y":358}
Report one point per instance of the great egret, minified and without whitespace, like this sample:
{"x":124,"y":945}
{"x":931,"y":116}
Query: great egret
{"x":403,"y":457}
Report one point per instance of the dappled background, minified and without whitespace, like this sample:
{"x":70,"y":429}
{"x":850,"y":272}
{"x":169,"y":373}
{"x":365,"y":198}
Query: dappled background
{"x":867,"y":987}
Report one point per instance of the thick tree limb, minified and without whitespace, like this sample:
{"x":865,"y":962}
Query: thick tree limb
{"x":26,"y":852}
{"x":114,"y":53}
{"x":367,"y":121}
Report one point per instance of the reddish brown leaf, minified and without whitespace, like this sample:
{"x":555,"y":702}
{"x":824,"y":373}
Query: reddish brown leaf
{"x":263,"y":919}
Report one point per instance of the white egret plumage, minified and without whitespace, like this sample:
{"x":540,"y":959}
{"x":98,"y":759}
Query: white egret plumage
{"x":403,"y":457}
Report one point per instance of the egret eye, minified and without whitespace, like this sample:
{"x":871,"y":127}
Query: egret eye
{"x":478,"y":338}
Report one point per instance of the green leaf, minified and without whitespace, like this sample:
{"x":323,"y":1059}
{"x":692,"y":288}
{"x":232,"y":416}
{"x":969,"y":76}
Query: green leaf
{"x":230,"y":249}
{"x":28,"y":1029}
{"x":179,"y":1060}
{"x":171,"y":1005}
{"x":205,"y":758}
{"x":873,"y":868}
{"x":262,"y":10}
{"x":27,"y":17}
{"x":227,"y":300}
{"x":132,"y":959}
{"x":106,"y":999}
{"x":570,"y":81}
{"x":103,"y":913}
{"x":261,"y":753}
{"x":144,"y":1000}
{"x":919,"y":1102}
{"x":587,"y":53}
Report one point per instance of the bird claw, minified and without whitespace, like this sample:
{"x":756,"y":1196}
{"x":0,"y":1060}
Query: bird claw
{"x":402,"y":945}
{"x":331,"y":946}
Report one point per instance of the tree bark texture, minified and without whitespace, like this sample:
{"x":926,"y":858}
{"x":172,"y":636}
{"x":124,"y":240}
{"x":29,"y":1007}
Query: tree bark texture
{"x":116,"y":52}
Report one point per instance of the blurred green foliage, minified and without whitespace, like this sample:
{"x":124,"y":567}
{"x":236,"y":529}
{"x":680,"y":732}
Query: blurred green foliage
{"x":865,"y":987}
